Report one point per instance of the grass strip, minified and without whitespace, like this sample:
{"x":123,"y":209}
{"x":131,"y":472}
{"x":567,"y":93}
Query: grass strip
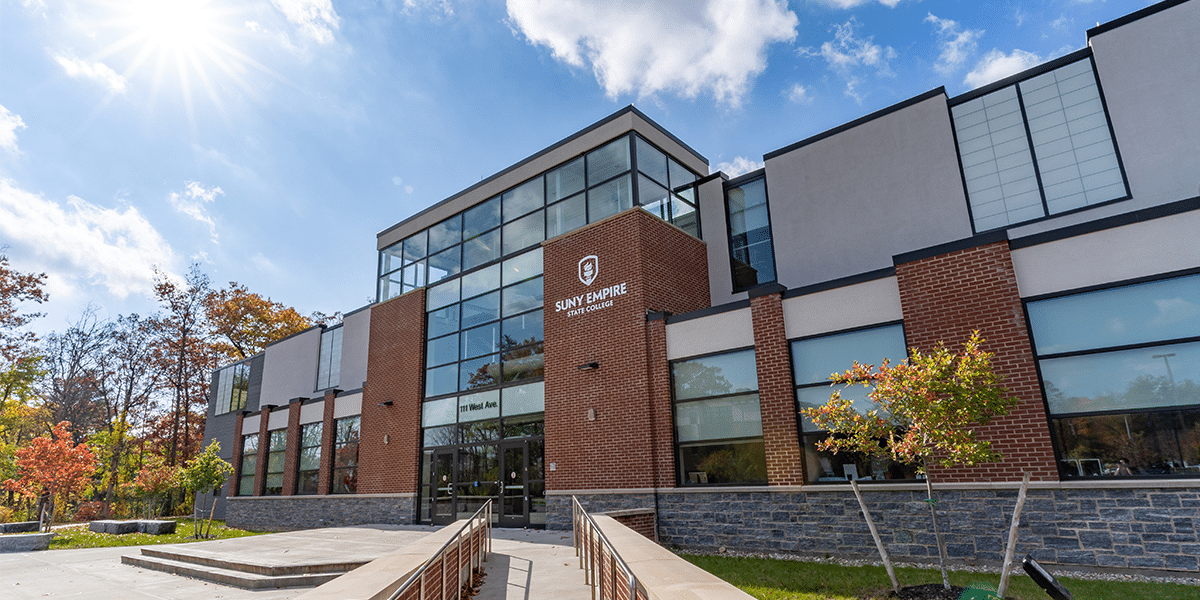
{"x":776,"y":579}
{"x":78,"y":536}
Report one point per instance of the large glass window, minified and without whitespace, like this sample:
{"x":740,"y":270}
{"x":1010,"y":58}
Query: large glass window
{"x":1039,"y":147}
{"x":308,"y":468}
{"x":813,"y":361}
{"x":276,"y":453}
{"x":345,"y":455}
{"x":248,"y":463}
{"x":1119,"y":367}
{"x":233,"y":388}
{"x":329,"y":364}
{"x":718,"y":425}
{"x":751,"y":254}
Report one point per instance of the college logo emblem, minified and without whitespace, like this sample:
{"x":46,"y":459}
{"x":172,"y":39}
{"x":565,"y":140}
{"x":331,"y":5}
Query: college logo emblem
{"x":589,"y":268}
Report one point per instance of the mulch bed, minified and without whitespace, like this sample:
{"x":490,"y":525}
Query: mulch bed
{"x":935,"y":591}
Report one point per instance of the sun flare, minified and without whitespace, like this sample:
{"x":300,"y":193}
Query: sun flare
{"x":178,"y":25}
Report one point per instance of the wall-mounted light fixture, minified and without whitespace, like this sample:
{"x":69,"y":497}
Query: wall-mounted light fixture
{"x":592,"y":366}
{"x":591,"y":414}
{"x":386,"y":403}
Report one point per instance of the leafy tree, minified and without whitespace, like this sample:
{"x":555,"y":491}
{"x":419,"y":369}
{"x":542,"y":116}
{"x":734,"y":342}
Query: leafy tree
{"x":56,"y":467}
{"x":74,"y":387}
{"x":927,"y":409}
{"x":154,"y":481}
{"x":246,"y":322}
{"x":185,"y":357}
{"x":15,"y":288}
{"x":205,"y":473}
{"x":128,"y":391}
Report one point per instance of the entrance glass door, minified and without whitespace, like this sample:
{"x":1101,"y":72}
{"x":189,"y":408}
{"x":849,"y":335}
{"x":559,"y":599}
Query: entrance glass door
{"x":514,"y":495}
{"x":442,"y":484}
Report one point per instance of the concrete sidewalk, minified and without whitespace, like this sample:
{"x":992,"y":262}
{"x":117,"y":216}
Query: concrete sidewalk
{"x":524,"y":565}
{"x":527,"y":564}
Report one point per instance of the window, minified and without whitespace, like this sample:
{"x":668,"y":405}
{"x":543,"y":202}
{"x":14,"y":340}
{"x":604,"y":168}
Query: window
{"x":329,"y":365}
{"x":813,"y":360}
{"x":751,"y":255}
{"x":248,"y":464}
{"x":276,"y":453}
{"x":718,"y":426}
{"x":1118,"y":367}
{"x":308,"y":467}
{"x":233,"y":387}
{"x":585,"y":190}
{"x":1039,"y":147}
{"x":345,"y":455}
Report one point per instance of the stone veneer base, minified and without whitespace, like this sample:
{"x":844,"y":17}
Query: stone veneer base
{"x":282,"y":513}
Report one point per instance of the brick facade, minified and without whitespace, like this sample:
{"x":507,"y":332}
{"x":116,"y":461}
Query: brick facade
{"x":231,"y":488}
{"x":777,"y":401}
{"x":327,"y":432}
{"x":390,"y":443}
{"x":260,"y":467}
{"x":605,"y":427}
{"x":291,"y":458}
{"x":945,"y":298}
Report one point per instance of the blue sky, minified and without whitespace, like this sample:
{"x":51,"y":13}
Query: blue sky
{"x":269,"y":141}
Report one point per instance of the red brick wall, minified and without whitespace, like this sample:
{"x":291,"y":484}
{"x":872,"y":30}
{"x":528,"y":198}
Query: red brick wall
{"x":260,"y":467}
{"x":643,"y":524}
{"x":776,"y":400}
{"x":395,"y":372}
{"x":663,"y":269}
{"x":232,"y":487}
{"x":291,"y":458}
{"x":945,"y":298}
{"x":326,"y":445}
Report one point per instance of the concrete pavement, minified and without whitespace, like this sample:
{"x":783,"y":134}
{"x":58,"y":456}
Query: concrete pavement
{"x":524,"y":565}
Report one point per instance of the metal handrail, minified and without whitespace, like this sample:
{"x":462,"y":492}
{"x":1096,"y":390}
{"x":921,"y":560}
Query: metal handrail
{"x":591,"y":560}
{"x":484,"y":514}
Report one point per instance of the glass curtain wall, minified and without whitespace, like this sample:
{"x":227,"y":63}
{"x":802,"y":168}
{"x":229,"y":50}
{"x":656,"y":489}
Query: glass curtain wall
{"x":276,"y":451}
{"x":813,"y":360}
{"x":329,"y":365}
{"x":345,"y":455}
{"x":248,"y":464}
{"x":718,"y":424}
{"x":1039,"y":147}
{"x":1120,"y":368}
{"x":751,"y":253}
{"x":233,"y":387}
{"x":308,"y":468}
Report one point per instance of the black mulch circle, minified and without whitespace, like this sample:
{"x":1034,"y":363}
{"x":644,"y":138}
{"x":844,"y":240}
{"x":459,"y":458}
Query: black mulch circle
{"x":929,"y":591}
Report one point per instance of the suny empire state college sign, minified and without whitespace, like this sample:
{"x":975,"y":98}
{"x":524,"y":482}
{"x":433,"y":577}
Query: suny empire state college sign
{"x":589,"y":271}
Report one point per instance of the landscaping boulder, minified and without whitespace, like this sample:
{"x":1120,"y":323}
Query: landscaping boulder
{"x":25,"y":542}
{"x":21,"y":527}
{"x":114,"y":527}
{"x":156,"y":527}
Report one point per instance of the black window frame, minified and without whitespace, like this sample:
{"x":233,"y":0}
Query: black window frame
{"x":733,"y":270}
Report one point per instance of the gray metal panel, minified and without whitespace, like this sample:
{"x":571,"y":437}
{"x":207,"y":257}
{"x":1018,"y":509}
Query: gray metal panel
{"x":290,"y":368}
{"x":356,"y":334}
{"x":254,"y":392}
{"x":847,"y":203}
{"x":715,"y":231}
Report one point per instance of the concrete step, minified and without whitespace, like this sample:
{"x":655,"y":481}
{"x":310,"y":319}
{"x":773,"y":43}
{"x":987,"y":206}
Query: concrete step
{"x":221,"y":561}
{"x":242,"y":579}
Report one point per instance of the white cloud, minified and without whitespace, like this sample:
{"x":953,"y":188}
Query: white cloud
{"x":10,"y":122}
{"x":647,"y":47}
{"x":408,"y":189}
{"x":262,"y":262}
{"x":80,"y":244}
{"x":192,"y":203}
{"x":798,"y":94}
{"x":739,"y":166}
{"x":997,"y":65}
{"x":397,"y":181}
{"x":958,"y":44}
{"x":254,"y":26}
{"x":444,"y":5}
{"x":850,"y":56}
{"x":96,"y":71}
{"x":846,"y":4}
{"x":316,"y":19}
{"x":1063,"y":24}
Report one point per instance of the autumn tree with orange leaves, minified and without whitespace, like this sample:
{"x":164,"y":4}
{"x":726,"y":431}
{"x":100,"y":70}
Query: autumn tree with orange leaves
{"x":245,"y":322}
{"x":56,"y":467}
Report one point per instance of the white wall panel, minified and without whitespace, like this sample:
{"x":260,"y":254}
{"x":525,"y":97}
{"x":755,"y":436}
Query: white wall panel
{"x":847,"y":307}
{"x":714,"y":333}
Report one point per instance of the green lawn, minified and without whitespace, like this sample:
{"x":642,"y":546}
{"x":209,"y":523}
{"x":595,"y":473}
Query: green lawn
{"x":773,"y":579}
{"x":78,"y":536}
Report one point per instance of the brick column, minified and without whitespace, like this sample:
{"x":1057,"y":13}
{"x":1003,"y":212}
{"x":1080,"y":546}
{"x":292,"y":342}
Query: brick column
{"x":237,"y":454}
{"x":260,"y":466}
{"x":947,"y":296}
{"x":291,"y":457}
{"x":389,"y":450}
{"x":327,"y":432}
{"x":777,"y":402}
{"x":662,"y":430}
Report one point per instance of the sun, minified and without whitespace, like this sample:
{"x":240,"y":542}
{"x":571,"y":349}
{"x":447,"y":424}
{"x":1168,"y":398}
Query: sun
{"x":191,"y":41}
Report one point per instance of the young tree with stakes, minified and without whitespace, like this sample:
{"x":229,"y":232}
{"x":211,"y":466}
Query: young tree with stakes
{"x":928,"y":408}
{"x":205,"y":473}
